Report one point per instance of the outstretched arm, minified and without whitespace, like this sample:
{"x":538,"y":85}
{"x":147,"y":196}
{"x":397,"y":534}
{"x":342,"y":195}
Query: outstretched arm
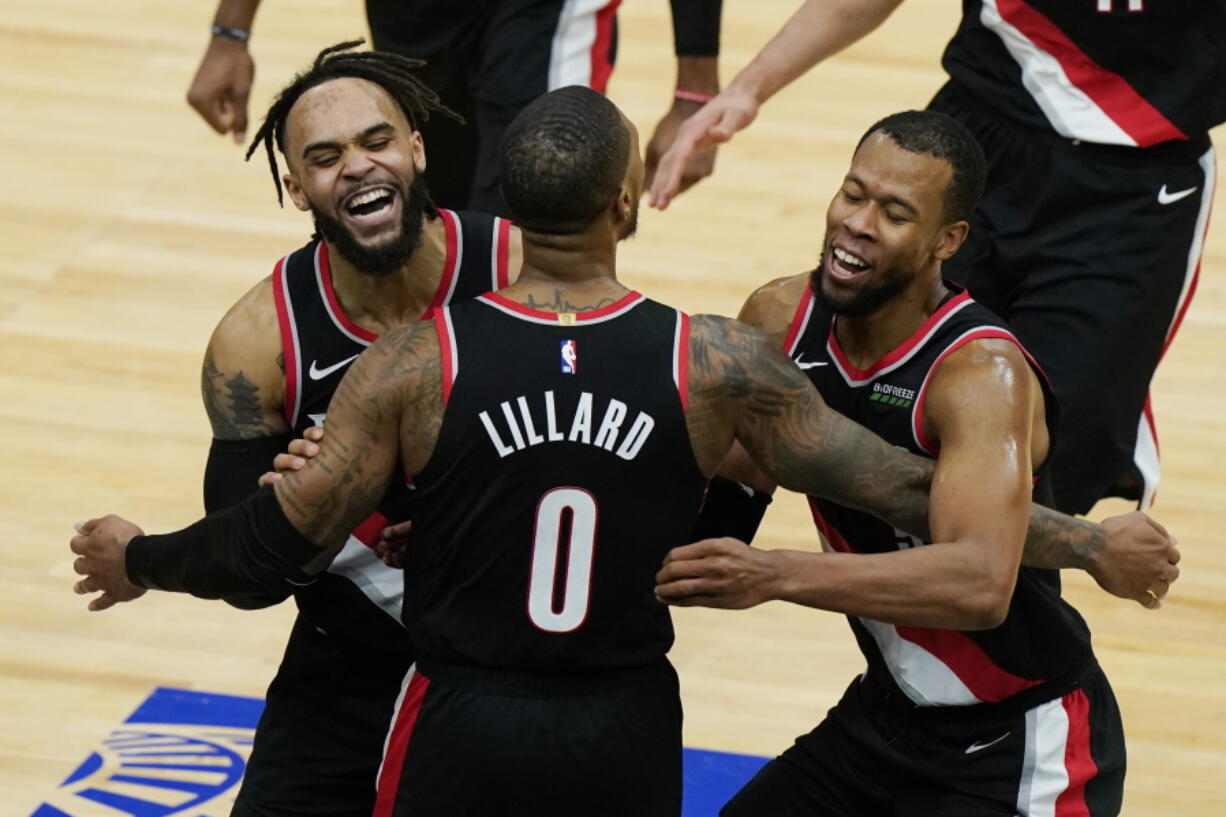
{"x":818,"y":29}
{"x":291,"y":530}
{"x":802,"y":444}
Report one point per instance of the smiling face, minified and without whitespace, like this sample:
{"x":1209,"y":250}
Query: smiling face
{"x":355,"y":163}
{"x":886,"y":228}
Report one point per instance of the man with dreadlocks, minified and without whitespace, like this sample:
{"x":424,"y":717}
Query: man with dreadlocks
{"x":383,"y":255}
{"x":487,"y":59}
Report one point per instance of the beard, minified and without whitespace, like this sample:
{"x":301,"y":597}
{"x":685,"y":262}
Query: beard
{"x":382,"y":259}
{"x":867,"y":299}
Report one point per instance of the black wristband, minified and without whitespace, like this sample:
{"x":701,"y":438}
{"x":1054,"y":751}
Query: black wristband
{"x":248,"y":548}
{"x":231,"y":33}
{"x":234,"y":467}
{"x":730,"y":509}
{"x":696,"y":27}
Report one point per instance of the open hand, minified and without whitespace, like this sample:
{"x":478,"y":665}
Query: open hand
{"x":100,"y":545}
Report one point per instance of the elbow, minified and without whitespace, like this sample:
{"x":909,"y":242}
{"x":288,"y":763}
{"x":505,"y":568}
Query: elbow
{"x":986,"y":606}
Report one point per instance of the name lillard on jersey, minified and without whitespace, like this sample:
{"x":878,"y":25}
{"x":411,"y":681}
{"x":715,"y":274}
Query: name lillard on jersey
{"x":521,"y":427}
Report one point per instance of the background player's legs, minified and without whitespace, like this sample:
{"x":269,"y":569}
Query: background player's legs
{"x":527,"y":48}
{"x":446,"y":34}
{"x":1091,"y":270}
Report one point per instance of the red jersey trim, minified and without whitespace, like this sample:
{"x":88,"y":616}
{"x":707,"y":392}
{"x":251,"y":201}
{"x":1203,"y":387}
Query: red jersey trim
{"x":856,"y":376}
{"x":616,"y":309}
{"x":447,"y":350}
{"x":289,"y":342}
{"x":1110,"y":91}
{"x":681,"y":359}
{"x":397,"y":746}
{"x":800,"y":320}
{"x":502,"y":251}
{"x":602,"y":65}
{"x":917,"y":412}
{"x":368,"y":531}
{"x":832,"y":534}
{"x":968,"y":661}
{"x":451,"y":266}
{"x":323,"y":272}
{"x":1079,"y":762}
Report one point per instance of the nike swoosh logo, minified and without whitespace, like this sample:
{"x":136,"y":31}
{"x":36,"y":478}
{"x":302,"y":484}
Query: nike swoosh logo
{"x":1170,"y":198}
{"x":317,"y":373}
{"x":975,"y":747}
{"x":806,"y":366}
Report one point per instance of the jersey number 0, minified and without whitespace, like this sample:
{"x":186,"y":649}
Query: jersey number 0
{"x":542,"y":587}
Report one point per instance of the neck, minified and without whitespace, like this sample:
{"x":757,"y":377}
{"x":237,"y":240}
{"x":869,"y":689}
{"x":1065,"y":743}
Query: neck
{"x":868,"y":338}
{"x":567,"y":273}
{"x":383,"y":302}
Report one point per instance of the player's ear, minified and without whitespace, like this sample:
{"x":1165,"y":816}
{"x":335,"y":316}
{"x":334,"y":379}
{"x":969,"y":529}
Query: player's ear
{"x":295,"y":192}
{"x":950,"y":239}
{"x":417,"y":146}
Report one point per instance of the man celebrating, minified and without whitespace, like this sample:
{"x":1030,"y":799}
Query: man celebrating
{"x":550,"y":490}
{"x":966,"y":656}
{"x":384,"y":256}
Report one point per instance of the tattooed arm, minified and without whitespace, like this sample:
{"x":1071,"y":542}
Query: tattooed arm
{"x":741,"y":385}
{"x":293,"y":529}
{"x":395,"y":384}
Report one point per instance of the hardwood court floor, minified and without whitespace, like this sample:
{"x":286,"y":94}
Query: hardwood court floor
{"x":129,"y":228}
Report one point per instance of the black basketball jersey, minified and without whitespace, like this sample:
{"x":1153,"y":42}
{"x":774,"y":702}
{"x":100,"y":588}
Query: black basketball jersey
{"x":1043,"y":641}
{"x":1120,"y":72}
{"x":562,"y":475}
{"x":319,"y":342}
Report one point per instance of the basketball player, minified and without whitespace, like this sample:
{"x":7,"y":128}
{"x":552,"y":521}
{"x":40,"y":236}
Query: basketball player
{"x":384,"y":256}
{"x":487,"y":59}
{"x":982,"y":695}
{"x":1095,"y":118}
{"x":558,"y":454}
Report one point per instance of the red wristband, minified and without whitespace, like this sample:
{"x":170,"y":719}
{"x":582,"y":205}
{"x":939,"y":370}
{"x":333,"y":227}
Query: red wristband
{"x":693,"y":96}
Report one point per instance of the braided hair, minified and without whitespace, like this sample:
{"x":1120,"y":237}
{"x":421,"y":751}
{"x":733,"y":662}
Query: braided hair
{"x":391,"y":72}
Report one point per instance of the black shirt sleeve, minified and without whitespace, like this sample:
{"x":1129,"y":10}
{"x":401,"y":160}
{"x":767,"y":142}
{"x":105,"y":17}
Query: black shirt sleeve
{"x":238,"y":551}
{"x":696,"y":27}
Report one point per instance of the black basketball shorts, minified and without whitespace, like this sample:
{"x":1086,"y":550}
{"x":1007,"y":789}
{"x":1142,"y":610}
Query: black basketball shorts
{"x":471,"y":742}
{"x":877,"y":756}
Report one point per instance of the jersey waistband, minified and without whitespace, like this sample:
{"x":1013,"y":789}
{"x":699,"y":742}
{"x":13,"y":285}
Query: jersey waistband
{"x":517,"y":684}
{"x":882,"y":694}
{"x":957,"y":101}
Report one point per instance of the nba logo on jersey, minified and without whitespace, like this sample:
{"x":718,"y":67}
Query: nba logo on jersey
{"x":570,"y":357}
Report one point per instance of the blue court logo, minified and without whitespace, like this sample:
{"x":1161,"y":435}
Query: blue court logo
{"x":180,"y":751}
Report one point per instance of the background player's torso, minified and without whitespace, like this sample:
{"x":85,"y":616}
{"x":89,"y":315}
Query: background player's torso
{"x":1042,"y":639}
{"x":562,"y":475}
{"x":1124,"y":72}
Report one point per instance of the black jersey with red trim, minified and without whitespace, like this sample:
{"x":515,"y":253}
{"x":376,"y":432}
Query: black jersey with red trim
{"x":562,"y":475}
{"x":1120,"y":72}
{"x":1043,"y":642}
{"x":359,"y":596}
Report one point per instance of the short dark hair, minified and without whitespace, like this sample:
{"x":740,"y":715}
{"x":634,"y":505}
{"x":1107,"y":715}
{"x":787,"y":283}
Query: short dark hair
{"x":942,"y":137}
{"x":563,"y":160}
{"x":391,"y":72}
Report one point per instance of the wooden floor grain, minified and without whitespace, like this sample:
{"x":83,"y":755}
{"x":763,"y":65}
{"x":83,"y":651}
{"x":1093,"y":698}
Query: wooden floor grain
{"x":128,"y":229}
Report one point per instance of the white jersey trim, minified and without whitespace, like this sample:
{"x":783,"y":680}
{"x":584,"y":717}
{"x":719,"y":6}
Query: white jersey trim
{"x":570,"y":57}
{"x":851,"y":380}
{"x":381,"y":584}
{"x":1070,"y":110}
{"x":922,"y":677}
